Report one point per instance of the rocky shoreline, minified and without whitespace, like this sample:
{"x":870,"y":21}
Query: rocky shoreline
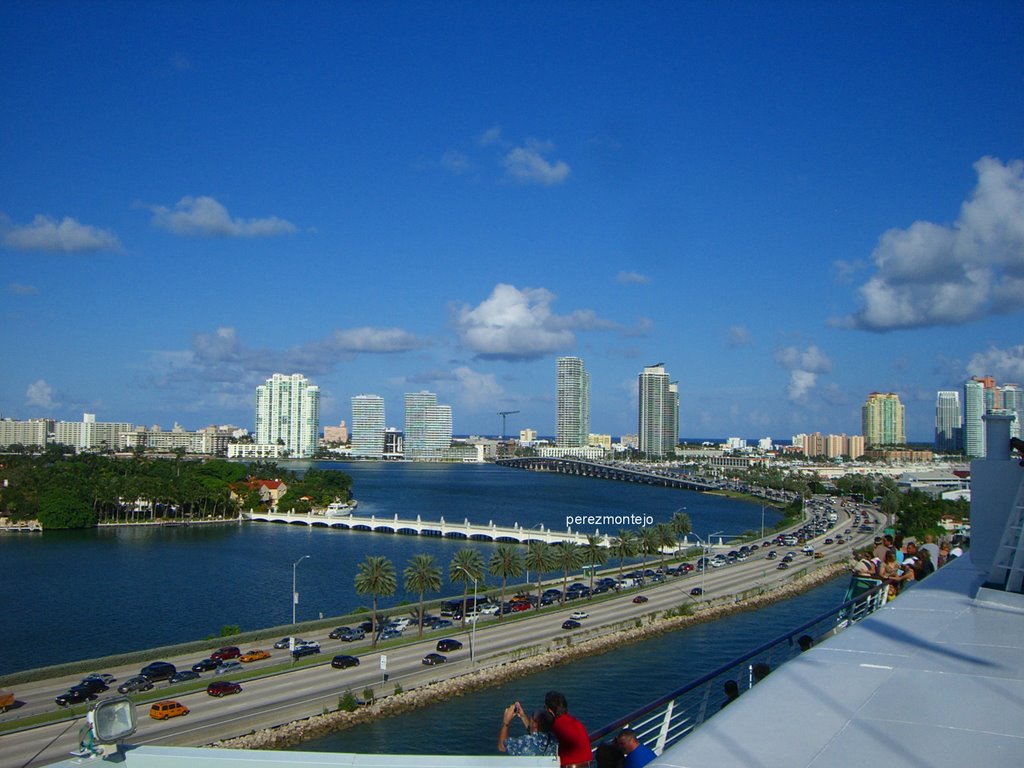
{"x":503,"y":669}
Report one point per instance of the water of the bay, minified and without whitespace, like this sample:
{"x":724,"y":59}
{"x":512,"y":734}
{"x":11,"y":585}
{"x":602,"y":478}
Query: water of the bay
{"x":71,"y":595}
{"x":600,"y":689}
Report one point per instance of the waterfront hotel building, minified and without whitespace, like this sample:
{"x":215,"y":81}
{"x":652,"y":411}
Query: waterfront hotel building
{"x":572,"y":407}
{"x":288,"y":414}
{"x":428,"y":427}
{"x":368,"y":427}
{"x":883,"y":421}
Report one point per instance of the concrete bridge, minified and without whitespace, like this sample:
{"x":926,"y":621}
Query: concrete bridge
{"x":618,"y":472}
{"x":515,"y":534}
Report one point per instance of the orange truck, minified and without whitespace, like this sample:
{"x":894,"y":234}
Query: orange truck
{"x":6,"y":700}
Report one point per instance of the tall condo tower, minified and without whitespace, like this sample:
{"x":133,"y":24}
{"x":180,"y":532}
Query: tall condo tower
{"x":368,"y":426}
{"x":572,"y":414}
{"x":949,"y":425}
{"x":980,"y":395}
{"x":1012,"y":396}
{"x":659,"y":411}
{"x":882,"y":420}
{"x":428,"y":427}
{"x":288,"y":409}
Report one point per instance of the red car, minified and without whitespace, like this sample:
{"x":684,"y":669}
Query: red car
{"x":225,"y":653}
{"x":220,"y":688}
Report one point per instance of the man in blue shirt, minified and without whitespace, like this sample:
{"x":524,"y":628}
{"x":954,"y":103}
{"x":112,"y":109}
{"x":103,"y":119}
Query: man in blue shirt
{"x":637,"y":754}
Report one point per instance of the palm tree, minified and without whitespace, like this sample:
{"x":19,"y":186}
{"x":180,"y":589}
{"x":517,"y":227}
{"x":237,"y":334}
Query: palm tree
{"x":595,"y":555}
{"x":506,"y":562}
{"x":648,"y":544}
{"x":568,"y":556}
{"x":538,"y":558}
{"x":375,"y":576}
{"x":466,"y":565}
{"x":422,"y":575}
{"x":666,"y":539}
{"x":623,"y":546}
{"x":681,"y":525}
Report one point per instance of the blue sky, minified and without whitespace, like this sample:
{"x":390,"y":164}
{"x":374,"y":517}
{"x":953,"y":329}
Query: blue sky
{"x":790,"y":205}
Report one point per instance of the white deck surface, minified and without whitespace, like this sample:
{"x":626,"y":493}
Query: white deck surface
{"x":936,"y":678}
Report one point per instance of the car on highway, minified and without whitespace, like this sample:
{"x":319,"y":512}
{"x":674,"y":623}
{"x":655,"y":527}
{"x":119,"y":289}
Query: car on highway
{"x":183,"y":676}
{"x":228,"y":667}
{"x":256,"y":654}
{"x":221,"y":688}
{"x":95,"y":684}
{"x":343,"y":662}
{"x":433,"y":659}
{"x":135,"y":684}
{"x":443,"y":624}
{"x":390,"y":634}
{"x":227,"y":652}
{"x":448,"y":644}
{"x":306,"y":649}
{"x":337,"y":632}
{"x":640,"y":599}
{"x":571,"y":624}
{"x":285,"y":642}
{"x":158,"y":670}
{"x":579,"y":615}
{"x":782,"y":566}
{"x":165,"y":710}
{"x":696,"y":591}
{"x":352,"y":635}
{"x":206,"y":665}
{"x":76,"y":695}
{"x":104,"y":677}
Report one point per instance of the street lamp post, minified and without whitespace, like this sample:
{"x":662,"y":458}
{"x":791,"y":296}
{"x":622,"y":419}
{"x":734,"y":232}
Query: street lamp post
{"x":295,"y":593}
{"x":476,"y":617}
{"x":704,"y":569}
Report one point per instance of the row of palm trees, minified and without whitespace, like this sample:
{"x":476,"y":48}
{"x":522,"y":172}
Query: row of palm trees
{"x":376,"y":575}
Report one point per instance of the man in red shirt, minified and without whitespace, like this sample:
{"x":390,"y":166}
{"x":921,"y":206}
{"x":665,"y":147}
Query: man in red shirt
{"x":573,"y":740}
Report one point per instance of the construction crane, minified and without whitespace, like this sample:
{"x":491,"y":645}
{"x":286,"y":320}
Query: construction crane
{"x":504,"y":415}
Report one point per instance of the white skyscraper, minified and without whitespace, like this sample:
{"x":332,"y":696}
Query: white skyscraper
{"x":1012,"y":396}
{"x":948,"y":422}
{"x":659,"y":411}
{"x":974,"y":427}
{"x":368,"y":426}
{"x":572,"y":408}
{"x":428,"y":427}
{"x":288,"y":410}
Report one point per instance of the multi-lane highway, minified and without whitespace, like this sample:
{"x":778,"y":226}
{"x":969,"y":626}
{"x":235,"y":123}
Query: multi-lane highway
{"x":310,"y":689}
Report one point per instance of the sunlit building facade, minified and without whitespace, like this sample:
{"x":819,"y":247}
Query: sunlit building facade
{"x":883,"y":420}
{"x":949,"y":425}
{"x":572,"y":414}
{"x":659,"y":411}
{"x":288,"y":414}
{"x":428,"y":427}
{"x":368,"y":427}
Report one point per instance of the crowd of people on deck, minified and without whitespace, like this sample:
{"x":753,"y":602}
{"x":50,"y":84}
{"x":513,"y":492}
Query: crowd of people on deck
{"x":551,"y":730}
{"x":896,"y":562}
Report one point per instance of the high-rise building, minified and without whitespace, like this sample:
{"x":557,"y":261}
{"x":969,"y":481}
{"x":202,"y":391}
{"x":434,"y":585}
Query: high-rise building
{"x":659,"y":411}
{"x":428,"y":427}
{"x":572,"y":392}
{"x":288,"y":414}
{"x":949,"y":425}
{"x":1012,"y":396}
{"x":883,"y":421}
{"x":980,"y":396}
{"x":368,"y":426}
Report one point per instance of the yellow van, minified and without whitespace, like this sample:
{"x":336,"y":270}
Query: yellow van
{"x":163,"y":710}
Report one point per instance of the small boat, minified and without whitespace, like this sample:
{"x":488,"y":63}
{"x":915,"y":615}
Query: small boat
{"x":341,"y":508}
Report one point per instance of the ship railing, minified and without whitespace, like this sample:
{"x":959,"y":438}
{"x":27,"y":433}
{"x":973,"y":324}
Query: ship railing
{"x":669,"y":718}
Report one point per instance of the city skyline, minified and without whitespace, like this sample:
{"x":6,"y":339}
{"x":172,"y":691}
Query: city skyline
{"x":792,"y":206}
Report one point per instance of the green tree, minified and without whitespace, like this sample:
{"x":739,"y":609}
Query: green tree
{"x":648,"y":543}
{"x":595,"y":554}
{"x":63,"y":508}
{"x":466,"y":565}
{"x":375,"y":576}
{"x":422,"y":575}
{"x":506,"y":563}
{"x":568,"y":556}
{"x":681,"y":526}
{"x":624,"y":545}
{"x":538,"y":558}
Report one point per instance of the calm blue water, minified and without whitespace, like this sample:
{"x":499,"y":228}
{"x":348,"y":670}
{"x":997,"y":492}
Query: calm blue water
{"x":83,"y":594}
{"x":600,"y":688}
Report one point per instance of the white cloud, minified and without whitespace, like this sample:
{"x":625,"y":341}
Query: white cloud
{"x":804,"y":367}
{"x":67,"y":236}
{"x":205,"y":217}
{"x":528,"y":165}
{"x":515,"y":324}
{"x":931,"y":274}
{"x":632,"y":278}
{"x":20,"y":289}
{"x":491,"y":136}
{"x":456,"y":162}
{"x":738,"y":336}
{"x":40,"y":395}
{"x":477,"y":389}
{"x":1006,"y":365}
